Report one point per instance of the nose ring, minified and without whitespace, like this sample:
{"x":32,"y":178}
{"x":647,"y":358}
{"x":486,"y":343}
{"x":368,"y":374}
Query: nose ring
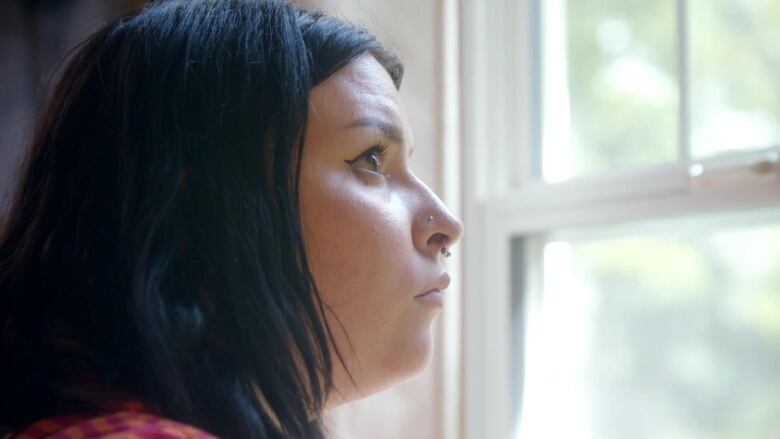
{"x":444,"y":250}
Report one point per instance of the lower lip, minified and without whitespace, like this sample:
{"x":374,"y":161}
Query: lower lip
{"x":432,"y":297}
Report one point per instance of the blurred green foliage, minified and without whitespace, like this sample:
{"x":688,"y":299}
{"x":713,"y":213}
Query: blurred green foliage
{"x":686,"y":334}
{"x":624,"y":88}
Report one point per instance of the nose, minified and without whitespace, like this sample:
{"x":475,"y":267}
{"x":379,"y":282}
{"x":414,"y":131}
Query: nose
{"x":435,"y":227}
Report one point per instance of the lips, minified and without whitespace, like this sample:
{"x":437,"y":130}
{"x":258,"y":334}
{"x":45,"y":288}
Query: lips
{"x":433,"y":296}
{"x":440,"y":283}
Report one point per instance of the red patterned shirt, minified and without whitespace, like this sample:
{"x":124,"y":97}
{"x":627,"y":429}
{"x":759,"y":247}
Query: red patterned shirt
{"x":130,"y":420}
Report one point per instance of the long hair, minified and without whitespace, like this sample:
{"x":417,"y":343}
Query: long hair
{"x":153,"y":247}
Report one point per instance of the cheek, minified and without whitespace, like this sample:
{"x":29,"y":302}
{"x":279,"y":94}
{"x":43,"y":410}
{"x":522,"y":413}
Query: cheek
{"x":362,"y":255}
{"x":358,"y":241}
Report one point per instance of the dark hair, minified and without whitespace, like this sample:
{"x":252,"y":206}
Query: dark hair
{"x":153,"y":245}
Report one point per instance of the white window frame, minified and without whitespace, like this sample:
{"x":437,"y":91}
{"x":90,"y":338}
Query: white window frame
{"x":500,"y":203}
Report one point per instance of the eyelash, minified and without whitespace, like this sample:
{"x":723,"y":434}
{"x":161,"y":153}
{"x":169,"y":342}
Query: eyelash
{"x":378,"y":153}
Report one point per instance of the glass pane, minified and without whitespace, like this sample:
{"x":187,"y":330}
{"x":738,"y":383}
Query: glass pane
{"x":610,"y":93}
{"x":665,"y":331}
{"x":735,"y":69}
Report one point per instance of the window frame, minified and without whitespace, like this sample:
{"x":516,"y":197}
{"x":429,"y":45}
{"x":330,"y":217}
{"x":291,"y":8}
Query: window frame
{"x":501,"y":198}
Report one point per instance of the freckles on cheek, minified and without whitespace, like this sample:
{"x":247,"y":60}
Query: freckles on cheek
{"x":340,"y":236}
{"x":359,"y":239}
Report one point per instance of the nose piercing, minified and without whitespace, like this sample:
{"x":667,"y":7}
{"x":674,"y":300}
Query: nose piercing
{"x":444,"y":250}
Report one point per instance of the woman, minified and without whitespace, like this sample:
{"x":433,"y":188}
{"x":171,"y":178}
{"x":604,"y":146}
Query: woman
{"x":216,"y":230}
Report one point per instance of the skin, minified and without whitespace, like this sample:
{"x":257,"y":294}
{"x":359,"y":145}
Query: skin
{"x":371,"y":246}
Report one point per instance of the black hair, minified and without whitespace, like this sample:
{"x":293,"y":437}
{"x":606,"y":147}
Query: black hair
{"x":153,"y":246}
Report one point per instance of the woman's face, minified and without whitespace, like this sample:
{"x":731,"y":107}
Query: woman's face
{"x":373,"y":231}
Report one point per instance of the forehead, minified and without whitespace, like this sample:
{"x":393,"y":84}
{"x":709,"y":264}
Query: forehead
{"x":361,"y":89}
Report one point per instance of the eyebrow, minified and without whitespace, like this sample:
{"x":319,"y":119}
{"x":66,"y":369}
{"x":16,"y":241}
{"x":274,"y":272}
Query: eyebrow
{"x":390,"y":130}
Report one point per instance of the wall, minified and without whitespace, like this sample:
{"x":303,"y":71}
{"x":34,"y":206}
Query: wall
{"x":33,"y":39}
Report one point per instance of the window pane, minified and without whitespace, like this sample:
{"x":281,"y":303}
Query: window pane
{"x":735,"y":67}
{"x":667,"y":330}
{"x":610,"y":90}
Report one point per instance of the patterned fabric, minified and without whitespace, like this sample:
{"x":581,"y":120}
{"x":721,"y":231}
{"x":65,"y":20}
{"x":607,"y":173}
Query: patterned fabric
{"x":131,"y":420}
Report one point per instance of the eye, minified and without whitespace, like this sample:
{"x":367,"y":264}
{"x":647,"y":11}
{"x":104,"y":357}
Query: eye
{"x":371,"y":159}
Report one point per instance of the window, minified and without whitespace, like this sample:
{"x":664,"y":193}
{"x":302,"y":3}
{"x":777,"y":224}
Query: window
{"x":657,"y":329}
{"x":629,"y":83}
{"x":622,"y":207}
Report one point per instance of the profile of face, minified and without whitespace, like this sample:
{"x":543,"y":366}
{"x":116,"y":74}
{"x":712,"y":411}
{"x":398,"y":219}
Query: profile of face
{"x":373,"y":231}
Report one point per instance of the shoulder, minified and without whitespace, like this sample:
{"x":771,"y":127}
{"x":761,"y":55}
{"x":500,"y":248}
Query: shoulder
{"x":124,"y":424}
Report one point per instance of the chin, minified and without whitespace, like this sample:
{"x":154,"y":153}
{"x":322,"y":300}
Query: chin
{"x":410,"y":359}
{"x":404,"y":359}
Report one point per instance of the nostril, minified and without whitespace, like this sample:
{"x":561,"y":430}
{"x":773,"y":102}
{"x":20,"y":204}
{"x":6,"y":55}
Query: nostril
{"x":438,"y":240}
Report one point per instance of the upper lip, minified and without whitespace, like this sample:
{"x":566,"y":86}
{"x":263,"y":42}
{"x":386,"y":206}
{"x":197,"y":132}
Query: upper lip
{"x":441,"y":282}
